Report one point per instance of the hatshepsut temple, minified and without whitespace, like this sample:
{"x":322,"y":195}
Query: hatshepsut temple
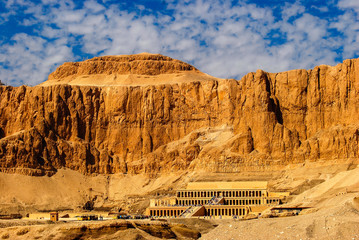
{"x":217,"y":199}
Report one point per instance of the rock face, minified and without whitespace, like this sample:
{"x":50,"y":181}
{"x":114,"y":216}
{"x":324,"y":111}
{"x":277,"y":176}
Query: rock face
{"x":150,"y":113}
{"x":142,"y":64}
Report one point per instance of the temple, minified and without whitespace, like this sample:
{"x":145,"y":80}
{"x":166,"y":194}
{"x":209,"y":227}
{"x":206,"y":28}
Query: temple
{"x":227,"y":199}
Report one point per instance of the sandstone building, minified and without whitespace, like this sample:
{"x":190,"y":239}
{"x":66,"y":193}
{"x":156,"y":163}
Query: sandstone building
{"x":217,"y":199}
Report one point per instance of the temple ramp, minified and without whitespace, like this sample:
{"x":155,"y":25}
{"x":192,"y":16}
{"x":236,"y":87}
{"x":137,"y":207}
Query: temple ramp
{"x":193,"y":211}
{"x":216,"y":201}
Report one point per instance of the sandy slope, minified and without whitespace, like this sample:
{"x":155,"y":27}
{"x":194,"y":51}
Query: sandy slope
{"x":115,"y":229}
{"x":339,"y":222}
{"x":335,"y":215}
{"x":333,"y":197}
{"x":69,"y":189}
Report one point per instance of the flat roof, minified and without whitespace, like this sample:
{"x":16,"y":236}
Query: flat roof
{"x":169,"y":207}
{"x":227,"y":185}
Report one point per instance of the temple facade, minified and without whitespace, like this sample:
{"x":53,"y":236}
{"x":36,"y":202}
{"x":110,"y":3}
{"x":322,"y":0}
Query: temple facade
{"x":217,"y":199}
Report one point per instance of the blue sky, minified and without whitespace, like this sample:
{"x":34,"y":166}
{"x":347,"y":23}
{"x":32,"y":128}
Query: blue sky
{"x":223,"y":38}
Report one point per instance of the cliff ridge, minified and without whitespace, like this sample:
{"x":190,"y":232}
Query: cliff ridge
{"x":125,"y":70}
{"x":151,"y":114}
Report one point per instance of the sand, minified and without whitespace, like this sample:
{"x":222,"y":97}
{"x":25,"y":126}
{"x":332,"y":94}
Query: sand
{"x":332,"y":195}
{"x":68,"y":189}
{"x":334,"y":215}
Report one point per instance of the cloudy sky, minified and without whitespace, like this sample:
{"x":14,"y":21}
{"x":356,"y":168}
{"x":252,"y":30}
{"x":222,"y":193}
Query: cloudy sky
{"x":224,"y":38}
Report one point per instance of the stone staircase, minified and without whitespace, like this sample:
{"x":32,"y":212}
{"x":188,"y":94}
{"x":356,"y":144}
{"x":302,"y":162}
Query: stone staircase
{"x":186,"y":212}
{"x":215,"y":201}
{"x":191,"y":211}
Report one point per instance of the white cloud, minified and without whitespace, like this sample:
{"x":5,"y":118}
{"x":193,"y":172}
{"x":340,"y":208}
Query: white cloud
{"x":321,"y":8}
{"x":30,"y":59}
{"x":218,"y":38}
{"x":93,"y":6}
{"x":292,"y":10}
{"x":349,"y":4}
{"x":348,"y":25}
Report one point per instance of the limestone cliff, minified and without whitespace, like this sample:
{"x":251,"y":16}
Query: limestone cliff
{"x":150,"y":113}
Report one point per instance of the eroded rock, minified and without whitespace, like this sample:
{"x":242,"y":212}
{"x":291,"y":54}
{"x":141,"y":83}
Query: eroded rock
{"x":150,"y":113}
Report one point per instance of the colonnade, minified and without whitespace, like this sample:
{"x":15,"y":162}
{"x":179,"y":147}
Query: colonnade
{"x":209,"y":212}
{"x":224,"y":193}
{"x":237,"y":202}
{"x":166,"y":212}
{"x":274,"y":201}
{"x":161,"y":202}
{"x":226,"y":211}
{"x":192,"y":202}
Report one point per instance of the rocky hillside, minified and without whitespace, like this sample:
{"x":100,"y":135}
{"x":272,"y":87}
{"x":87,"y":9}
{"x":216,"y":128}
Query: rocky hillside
{"x":151,"y":114}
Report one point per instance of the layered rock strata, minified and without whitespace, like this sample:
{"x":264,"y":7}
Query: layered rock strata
{"x":150,"y":113}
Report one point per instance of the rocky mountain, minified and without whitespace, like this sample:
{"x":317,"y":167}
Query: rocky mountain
{"x":148,"y":113}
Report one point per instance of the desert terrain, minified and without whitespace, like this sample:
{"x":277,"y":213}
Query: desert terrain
{"x":118,"y":130}
{"x":331,"y":195}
